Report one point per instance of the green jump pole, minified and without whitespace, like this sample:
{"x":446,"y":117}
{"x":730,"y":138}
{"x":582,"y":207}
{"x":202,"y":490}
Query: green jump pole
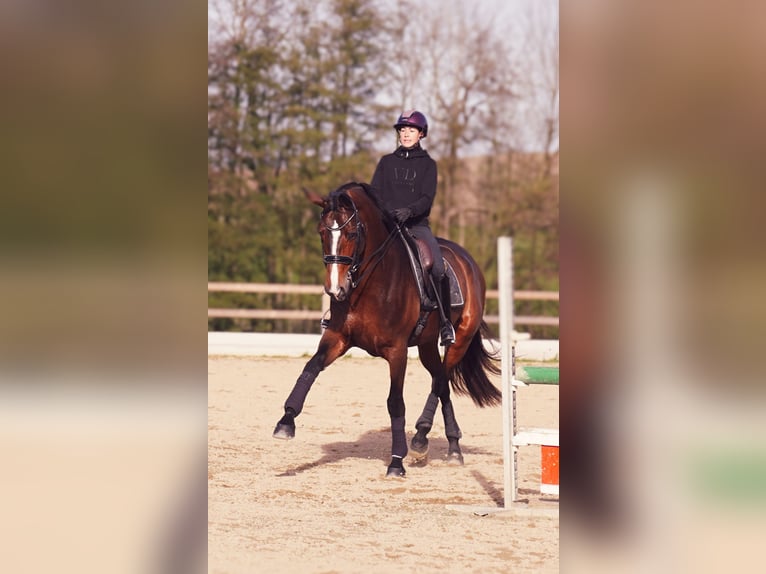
{"x":538,"y":375}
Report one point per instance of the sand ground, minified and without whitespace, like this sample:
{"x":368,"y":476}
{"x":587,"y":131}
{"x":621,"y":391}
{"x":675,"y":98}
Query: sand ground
{"x":320,"y":503}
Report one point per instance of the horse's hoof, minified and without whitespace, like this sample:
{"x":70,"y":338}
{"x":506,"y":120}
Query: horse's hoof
{"x":396,"y":468}
{"x":395,"y":472}
{"x":455,"y":459}
{"x":419,"y":451}
{"x":419,"y":447}
{"x":284,"y":431}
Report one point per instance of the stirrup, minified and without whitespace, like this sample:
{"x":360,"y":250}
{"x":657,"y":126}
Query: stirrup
{"x":447,"y":335}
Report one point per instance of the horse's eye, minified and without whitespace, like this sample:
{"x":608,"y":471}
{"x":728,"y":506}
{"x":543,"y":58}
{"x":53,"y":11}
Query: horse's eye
{"x":353,"y":235}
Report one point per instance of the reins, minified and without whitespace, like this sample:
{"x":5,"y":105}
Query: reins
{"x":380,"y":252}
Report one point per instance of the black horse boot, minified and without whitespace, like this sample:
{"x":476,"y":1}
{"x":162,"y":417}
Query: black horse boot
{"x":447,"y":331}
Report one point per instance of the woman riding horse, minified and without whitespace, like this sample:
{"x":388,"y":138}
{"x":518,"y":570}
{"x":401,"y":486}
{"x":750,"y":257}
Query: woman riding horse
{"x":375,"y":306}
{"x":405,"y":183}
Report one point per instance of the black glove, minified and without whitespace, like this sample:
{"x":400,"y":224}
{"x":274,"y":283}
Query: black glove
{"x":402,"y":214}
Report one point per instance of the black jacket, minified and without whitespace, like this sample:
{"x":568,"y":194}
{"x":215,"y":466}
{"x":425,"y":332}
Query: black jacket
{"x":406,"y":178}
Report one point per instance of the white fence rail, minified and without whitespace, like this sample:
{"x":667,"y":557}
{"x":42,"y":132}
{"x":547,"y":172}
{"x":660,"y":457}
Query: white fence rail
{"x":318,"y":290}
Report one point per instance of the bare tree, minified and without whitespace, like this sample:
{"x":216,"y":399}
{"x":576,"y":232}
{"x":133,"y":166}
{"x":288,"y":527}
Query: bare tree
{"x":541,"y":70}
{"x":536,"y":195}
{"x":470,"y":82}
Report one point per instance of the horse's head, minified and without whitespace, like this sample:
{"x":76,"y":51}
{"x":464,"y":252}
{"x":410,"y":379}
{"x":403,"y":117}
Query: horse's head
{"x":343,"y":239}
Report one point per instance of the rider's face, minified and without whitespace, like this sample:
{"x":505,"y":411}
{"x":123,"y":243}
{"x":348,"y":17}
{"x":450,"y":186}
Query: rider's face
{"x":409,"y":136}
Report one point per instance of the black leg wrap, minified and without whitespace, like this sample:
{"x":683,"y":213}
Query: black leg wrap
{"x":426,"y":420}
{"x":398,"y":437}
{"x":300,"y":390}
{"x":451,"y":429}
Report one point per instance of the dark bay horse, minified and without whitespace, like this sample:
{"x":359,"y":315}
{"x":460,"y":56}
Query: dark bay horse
{"x":375,"y":305}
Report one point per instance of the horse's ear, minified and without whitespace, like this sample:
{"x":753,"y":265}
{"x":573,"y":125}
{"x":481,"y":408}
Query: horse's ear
{"x":315,"y":197}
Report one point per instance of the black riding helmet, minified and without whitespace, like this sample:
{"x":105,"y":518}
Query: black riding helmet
{"x":414,"y":119}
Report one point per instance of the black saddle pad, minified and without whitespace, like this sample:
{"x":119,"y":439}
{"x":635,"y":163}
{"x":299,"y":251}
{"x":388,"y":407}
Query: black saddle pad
{"x":427,"y":299}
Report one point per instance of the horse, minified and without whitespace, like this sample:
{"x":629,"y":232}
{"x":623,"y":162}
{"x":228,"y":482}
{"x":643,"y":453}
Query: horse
{"x":375,"y":305}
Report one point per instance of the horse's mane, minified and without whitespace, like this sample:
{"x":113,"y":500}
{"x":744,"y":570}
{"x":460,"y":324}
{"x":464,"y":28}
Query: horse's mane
{"x":371,"y":194}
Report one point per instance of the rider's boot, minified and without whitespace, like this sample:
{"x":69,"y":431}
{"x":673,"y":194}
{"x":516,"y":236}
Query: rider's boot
{"x":447,"y":331}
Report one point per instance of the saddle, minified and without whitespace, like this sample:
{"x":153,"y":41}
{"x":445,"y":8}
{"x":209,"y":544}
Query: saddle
{"x":421,"y":258}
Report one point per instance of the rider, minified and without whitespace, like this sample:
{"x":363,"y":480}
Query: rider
{"x":405,"y":181}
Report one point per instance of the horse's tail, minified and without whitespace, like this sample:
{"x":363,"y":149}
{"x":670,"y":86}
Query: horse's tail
{"x":469,"y":376}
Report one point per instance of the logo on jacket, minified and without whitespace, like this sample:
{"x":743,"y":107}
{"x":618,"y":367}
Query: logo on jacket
{"x":405,"y":174}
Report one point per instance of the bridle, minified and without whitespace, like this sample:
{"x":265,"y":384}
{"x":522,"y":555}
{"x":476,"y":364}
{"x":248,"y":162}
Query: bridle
{"x":355,"y":262}
{"x":358,"y":245}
